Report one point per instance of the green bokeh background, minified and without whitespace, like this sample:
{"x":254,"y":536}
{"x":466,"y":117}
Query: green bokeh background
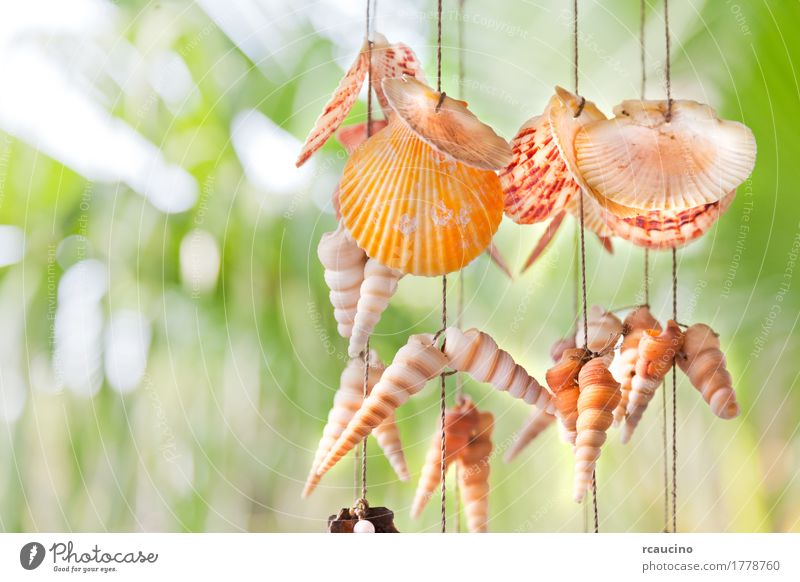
{"x":219,"y":434}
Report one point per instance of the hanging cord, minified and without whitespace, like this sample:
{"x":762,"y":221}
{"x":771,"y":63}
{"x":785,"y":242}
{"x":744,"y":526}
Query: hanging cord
{"x":442,"y":409}
{"x":361,"y":502}
{"x":646,"y":277}
{"x":674,"y":293}
{"x":674,"y":401}
{"x":583,"y":238}
{"x":364,"y":442}
{"x":443,"y":376}
{"x":642,"y":10}
{"x":460,"y":304}
{"x":667,"y":57}
{"x":439,"y":46}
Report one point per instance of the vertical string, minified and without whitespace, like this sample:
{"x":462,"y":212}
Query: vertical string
{"x":583,"y":237}
{"x":575,"y":45}
{"x":674,"y":401}
{"x":460,"y":304}
{"x":442,"y":377}
{"x":364,"y":442}
{"x":439,"y":46}
{"x":365,"y":388}
{"x":667,"y":58}
{"x":442,"y":408}
{"x":642,"y":10}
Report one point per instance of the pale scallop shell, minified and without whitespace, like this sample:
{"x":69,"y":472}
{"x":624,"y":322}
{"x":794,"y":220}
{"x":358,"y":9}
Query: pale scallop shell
{"x":414,"y":209}
{"x":446,"y":124}
{"x":537,"y":183}
{"x":665,"y":229}
{"x":640,"y":159}
{"x":568,"y":115}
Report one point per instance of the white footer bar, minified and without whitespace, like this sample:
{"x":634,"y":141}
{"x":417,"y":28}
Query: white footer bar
{"x":406,"y":557}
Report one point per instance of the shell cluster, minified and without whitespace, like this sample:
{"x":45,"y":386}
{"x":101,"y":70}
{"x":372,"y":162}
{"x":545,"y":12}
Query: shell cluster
{"x":658,"y":174}
{"x":423,"y":193}
{"x":611,"y":382}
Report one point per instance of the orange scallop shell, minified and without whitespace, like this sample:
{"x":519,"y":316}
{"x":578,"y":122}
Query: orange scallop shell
{"x":414,"y":209}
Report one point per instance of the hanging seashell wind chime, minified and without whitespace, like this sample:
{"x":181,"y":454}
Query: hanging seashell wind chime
{"x":659,"y":174}
{"x":420,"y":195}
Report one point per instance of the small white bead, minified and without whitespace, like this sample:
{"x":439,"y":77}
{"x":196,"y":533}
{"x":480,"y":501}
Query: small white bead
{"x":363,"y":526}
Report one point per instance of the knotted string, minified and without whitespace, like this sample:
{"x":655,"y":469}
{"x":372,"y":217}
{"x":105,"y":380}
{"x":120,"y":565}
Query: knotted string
{"x":674,"y":401}
{"x":668,"y":72}
{"x":583,"y":231}
{"x":443,"y":376}
{"x":460,"y":304}
{"x":361,"y":502}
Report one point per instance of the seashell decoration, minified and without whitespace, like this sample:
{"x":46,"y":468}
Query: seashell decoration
{"x":560,"y":345}
{"x":343,"y":262}
{"x":703,"y":362}
{"x":388,"y":60}
{"x":538,"y":421}
{"x":667,"y":229}
{"x":473,"y":475}
{"x":623,"y":368}
{"x":392,"y":61}
{"x":643,"y":159}
{"x":544,"y":241}
{"x":460,"y":425}
{"x":387,"y":436}
{"x":352,"y":136}
{"x":536,"y":184}
{"x":657,"y":351}
{"x":377,"y":288}
{"x":414,"y":209}
{"x":594,"y":220}
{"x":562,"y":379}
{"x":446,"y":124}
{"x":346,"y":402}
{"x":477,"y":354}
{"x":604,"y":327}
{"x":599,"y":396}
{"x":338,"y":107}
{"x":413,"y":366}
{"x":569,"y":114}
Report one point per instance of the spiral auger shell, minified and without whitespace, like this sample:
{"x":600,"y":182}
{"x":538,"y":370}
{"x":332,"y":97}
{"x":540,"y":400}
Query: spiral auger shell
{"x":477,"y":354}
{"x":461,"y":424}
{"x":473,"y":475}
{"x":599,"y":396}
{"x":562,"y":380}
{"x":704,"y":363}
{"x":414,"y":365}
{"x":346,"y":402}
{"x":377,"y":288}
{"x":387,"y":436}
{"x":343,"y":262}
{"x":623,"y":367}
{"x":657,"y":352}
{"x":536,"y":424}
